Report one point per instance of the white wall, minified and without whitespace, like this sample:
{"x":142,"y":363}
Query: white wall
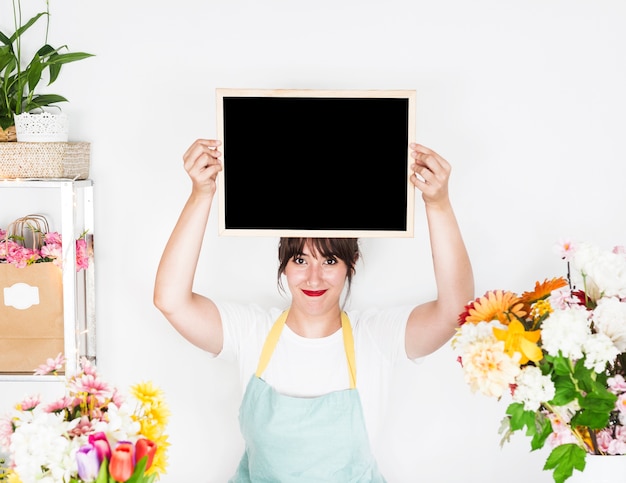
{"x":525,"y":98}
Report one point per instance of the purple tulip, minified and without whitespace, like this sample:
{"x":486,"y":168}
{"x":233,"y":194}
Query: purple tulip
{"x":88,"y":464}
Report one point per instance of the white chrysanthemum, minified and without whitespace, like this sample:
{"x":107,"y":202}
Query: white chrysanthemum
{"x":470,"y":333}
{"x":120,"y":426}
{"x":599,"y":350}
{"x":42,"y":443}
{"x":488,"y":369}
{"x":566,"y":331}
{"x":604,"y":271}
{"x":610,"y":318}
{"x":533,"y":388}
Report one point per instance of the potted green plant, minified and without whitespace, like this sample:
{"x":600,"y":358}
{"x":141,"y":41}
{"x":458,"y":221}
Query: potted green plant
{"x":19,"y":80}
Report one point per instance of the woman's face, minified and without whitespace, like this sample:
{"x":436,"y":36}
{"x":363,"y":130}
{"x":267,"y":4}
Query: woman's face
{"x":315,"y":282}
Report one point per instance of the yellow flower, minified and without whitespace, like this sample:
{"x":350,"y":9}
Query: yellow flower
{"x":517,"y":339}
{"x":146,"y":392}
{"x":153,"y":418}
{"x":12,"y":477}
{"x":540,"y":309}
{"x":497,"y":305}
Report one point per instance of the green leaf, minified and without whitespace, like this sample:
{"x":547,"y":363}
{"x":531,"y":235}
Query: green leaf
{"x":595,"y":409}
{"x":564,"y":459}
{"x":26,"y":26}
{"x":43,"y":101}
{"x":517,"y":416}
{"x":544,"y":429}
{"x":565,"y":390}
{"x":103,"y":474}
{"x":561,"y":365}
{"x":138,"y":475}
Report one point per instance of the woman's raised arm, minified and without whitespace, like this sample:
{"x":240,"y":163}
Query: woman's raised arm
{"x":194,"y":316}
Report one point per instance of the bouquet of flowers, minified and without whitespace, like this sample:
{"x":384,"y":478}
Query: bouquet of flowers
{"x":91,"y":434}
{"x":47,"y":246}
{"x":559,"y":353}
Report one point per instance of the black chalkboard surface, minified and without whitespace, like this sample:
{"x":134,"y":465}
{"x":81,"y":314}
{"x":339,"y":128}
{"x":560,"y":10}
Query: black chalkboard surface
{"x":316,"y":163}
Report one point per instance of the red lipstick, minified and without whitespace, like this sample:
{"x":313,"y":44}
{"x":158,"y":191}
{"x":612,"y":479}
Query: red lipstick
{"x":314,"y":293}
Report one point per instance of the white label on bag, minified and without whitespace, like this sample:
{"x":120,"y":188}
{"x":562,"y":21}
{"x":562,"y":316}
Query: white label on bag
{"x":21,"y":296}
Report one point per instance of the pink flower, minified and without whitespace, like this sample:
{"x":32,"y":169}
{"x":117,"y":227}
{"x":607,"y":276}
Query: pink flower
{"x":619,"y":250}
{"x":83,"y":427}
{"x":53,"y":251}
{"x":82,"y":257}
{"x":52,"y":238}
{"x":621,"y":403}
{"x":565,"y":249}
{"x":29,"y":403}
{"x":117,"y":398}
{"x":51,"y":366}
{"x":617,"y":384}
{"x":101,"y":443}
{"x":6,"y":431}
{"x":88,"y":368}
{"x":93,"y":386}
{"x":59,"y":405}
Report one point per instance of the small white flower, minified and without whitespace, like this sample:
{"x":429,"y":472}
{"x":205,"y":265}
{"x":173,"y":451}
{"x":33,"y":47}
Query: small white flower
{"x":470,"y":333}
{"x":533,"y":388}
{"x":610,"y":318}
{"x":121,"y":425}
{"x":604,"y":271}
{"x":599,"y":350}
{"x":566,"y":331}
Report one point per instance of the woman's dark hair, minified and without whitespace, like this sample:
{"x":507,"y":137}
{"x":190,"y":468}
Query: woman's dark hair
{"x":345,"y":249}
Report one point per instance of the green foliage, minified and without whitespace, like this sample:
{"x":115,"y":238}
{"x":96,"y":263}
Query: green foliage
{"x":564,"y":459}
{"x":538,"y":427}
{"x":19,"y":80}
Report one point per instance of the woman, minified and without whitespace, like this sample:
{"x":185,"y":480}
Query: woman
{"x":305,"y":416}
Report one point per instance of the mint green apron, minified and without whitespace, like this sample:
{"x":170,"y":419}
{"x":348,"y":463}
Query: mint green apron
{"x":304,"y":440}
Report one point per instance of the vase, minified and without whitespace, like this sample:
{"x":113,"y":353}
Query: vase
{"x":43,"y":127}
{"x":601,"y":469}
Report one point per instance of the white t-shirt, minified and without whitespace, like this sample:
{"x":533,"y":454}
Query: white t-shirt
{"x":305,"y":367}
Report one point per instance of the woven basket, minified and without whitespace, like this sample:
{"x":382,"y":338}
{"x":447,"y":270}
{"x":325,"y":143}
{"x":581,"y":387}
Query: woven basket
{"x":44,"y":160}
{"x":8,"y":135}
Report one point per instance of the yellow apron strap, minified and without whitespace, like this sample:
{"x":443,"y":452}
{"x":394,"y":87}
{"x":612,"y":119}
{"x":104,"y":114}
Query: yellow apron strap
{"x":348,"y":343}
{"x":277,"y":328}
{"x":270,"y":343}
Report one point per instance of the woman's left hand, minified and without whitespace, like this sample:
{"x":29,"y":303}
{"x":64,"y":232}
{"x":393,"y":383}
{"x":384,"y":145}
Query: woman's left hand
{"x":430,"y":174}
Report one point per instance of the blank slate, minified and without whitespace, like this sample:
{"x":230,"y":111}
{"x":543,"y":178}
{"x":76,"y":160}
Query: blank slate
{"x":316,"y":163}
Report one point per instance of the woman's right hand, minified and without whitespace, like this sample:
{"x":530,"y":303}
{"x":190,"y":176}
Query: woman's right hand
{"x":202,"y":163}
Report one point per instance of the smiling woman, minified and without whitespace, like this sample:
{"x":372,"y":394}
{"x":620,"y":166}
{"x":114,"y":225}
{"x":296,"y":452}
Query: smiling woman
{"x":314,"y":375}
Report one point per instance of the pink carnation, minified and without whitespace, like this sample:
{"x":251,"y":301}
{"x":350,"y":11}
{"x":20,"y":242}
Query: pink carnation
{"x":82,"y":257}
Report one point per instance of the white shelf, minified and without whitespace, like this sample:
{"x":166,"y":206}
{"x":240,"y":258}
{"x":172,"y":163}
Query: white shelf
{"x":76,"y":197}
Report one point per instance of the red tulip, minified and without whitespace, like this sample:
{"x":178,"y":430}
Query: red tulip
{"x":122,"y":462}
{"x":145,"y":447}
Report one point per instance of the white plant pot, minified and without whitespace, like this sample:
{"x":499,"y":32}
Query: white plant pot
{"x":43,"y":127}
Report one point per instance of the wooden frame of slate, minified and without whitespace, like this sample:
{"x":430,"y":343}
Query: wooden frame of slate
{"x":316,"y":163}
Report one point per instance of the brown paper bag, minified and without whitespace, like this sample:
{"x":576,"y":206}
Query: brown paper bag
{"x":31,"y":316}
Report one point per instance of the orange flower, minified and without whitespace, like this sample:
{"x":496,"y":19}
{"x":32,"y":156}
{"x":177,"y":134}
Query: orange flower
{"x":517,"y":339}
{"x":542,"y":290}
{"x":499,"y":304}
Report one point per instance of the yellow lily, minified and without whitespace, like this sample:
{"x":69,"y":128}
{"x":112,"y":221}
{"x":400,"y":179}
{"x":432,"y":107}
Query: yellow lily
{"x":517,"y":339}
